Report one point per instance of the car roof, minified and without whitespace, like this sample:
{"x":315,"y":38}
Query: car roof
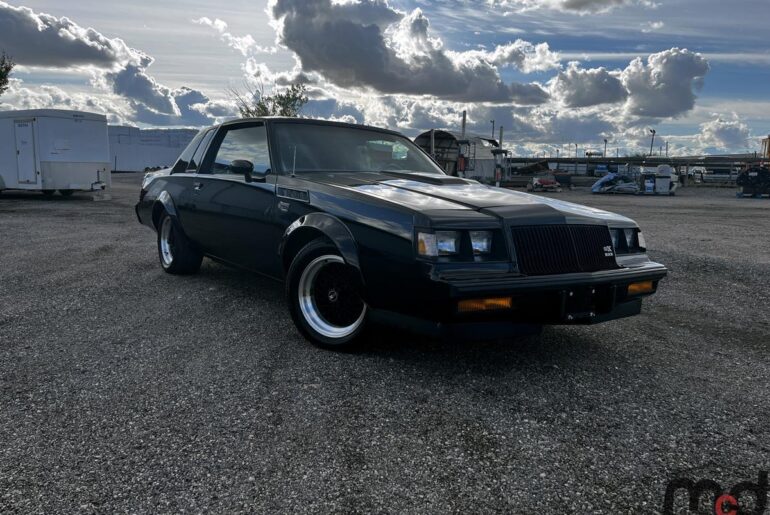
{"x":309,"y":121}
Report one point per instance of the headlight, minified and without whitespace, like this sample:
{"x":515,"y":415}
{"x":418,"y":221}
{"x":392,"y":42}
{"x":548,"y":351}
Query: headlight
{"x":481,"y":241}
{"x":629,"y":233}
{"x":615,"y":238}
{"x":640,"y":239}
{"x":627,"y":241}
{"x":440,"y":243}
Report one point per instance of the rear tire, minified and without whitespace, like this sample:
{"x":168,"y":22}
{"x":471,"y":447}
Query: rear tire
{"x":66,"y":193}
{"x":324,"y":297}
{"x":176,"y":253}
{"x":49,"y":193}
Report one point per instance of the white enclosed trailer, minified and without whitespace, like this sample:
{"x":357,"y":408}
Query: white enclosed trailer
{"x":51,"y":149}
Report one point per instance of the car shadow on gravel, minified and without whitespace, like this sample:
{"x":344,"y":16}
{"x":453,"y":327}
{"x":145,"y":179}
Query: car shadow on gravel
{"x":555,"y":346}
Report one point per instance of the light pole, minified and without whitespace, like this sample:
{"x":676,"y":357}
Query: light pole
{"x":605,"y":148}
{"x":652,"y":142}
{"x":576,"y":164}
{"x":493,"y":128}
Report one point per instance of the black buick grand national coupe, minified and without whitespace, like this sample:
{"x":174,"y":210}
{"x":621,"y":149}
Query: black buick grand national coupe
{"x":363,"y":226}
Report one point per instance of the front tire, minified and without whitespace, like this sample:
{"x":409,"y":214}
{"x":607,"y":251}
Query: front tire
{"x":324,"y":297}
{"x":176,"y":253}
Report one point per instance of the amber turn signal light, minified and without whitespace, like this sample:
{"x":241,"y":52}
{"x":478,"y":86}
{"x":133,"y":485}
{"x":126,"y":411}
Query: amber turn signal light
{"x":641,"y":288}
{"x":488,"y":304}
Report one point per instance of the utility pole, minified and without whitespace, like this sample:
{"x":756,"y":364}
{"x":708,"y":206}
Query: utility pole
{"x":605,"y":148}
{"x":576,"y":163}
{"x":666,"y":148}
{"x":493,"y":128}
{"x":652,"y":142}
{"x":557,"y":159}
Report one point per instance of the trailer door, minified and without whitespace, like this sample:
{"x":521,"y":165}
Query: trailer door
{"x":25,"y":152}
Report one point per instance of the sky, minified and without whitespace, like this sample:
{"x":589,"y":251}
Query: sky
{"x":553,"y":73}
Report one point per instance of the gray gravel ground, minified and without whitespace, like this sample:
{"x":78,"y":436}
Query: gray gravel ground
{"x":123,"y":389}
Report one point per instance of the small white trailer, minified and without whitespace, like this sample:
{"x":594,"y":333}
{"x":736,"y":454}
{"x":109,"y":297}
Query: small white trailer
{"x":50,"y":149}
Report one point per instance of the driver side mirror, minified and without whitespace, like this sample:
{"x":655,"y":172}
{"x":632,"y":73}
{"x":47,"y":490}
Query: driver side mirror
{"x":242,"y":166}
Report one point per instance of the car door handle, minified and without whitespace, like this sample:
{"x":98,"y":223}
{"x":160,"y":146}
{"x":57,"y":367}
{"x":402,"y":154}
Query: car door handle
{"x":197,"y":186}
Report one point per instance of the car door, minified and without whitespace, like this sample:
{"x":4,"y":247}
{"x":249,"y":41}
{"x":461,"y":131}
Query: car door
{"x":188,"y":169}
{"x":179,"y":182}
{"x":235,"y":213}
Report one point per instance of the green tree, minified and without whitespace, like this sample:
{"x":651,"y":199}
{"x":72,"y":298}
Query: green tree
{"x":6,"y":66}
{"x":255,"y":102}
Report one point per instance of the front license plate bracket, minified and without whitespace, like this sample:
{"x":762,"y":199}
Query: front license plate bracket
{"x":578,"y":304}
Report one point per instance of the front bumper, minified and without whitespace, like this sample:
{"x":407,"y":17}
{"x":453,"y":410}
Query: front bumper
{"x":579,"y":298}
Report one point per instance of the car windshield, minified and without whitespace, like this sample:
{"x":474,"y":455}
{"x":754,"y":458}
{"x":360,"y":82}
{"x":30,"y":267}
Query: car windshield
{"x":308,"y":147}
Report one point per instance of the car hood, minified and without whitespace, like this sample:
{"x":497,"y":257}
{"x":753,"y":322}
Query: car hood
{"x":425,"y":193}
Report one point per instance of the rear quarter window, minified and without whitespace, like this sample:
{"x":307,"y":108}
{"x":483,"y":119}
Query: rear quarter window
{"x":184,"y":158}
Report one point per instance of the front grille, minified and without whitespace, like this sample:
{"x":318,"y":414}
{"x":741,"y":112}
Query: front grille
{"x":563,"y":249}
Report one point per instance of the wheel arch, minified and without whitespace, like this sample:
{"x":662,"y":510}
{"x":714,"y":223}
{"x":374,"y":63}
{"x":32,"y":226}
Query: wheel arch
{"x":164,"y":202}
{"x":315,"y":225}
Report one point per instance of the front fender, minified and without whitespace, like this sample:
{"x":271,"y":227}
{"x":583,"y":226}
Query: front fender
{"x":164,"y":202}
{"x":331,"y":227}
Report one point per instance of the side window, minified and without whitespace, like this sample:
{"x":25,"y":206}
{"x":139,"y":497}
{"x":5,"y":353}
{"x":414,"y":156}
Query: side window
{"x":239,"y":144}
{"x":196,"y":159}
{"x":184,"y":159}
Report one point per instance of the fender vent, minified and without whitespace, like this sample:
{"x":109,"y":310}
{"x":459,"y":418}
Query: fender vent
{"x":563,"y":249}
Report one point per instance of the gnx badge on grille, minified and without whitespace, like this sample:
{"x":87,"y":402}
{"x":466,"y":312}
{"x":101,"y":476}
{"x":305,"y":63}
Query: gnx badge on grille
{"x":608,"y":252}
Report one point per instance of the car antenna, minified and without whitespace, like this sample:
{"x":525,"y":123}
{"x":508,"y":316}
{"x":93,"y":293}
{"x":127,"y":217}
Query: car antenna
{"x":294,"y":161}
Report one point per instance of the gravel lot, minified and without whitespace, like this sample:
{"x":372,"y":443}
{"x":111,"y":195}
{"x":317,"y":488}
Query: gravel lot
{"x":124,"y":389}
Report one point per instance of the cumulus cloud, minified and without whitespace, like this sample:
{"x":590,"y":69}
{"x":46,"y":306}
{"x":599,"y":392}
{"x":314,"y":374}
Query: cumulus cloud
{"x":577,"y":87}
{"x":664,"y":85}
{"x":721,"y":135}
{"x":246,"y":45}
{"x":520,"y":54}
{"x":368,"y":44}
{"x":578,"y":6}
{"x":19,"y":96}
{"x":41,"y":40}
{"x":44,"y":40}
{"x":333,"y":109}
{"x":133,"y":82}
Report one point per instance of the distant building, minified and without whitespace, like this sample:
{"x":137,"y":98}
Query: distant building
{"x":133,"y":149}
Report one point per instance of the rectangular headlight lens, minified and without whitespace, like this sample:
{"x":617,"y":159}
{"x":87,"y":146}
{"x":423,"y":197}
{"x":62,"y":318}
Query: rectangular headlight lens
{"x":615,"y":238}
{"x":629,"y":238}
{"x":440,"y":243}
{"x":481,"y":241}
{"x":642,"y":243}
{"x":426,"y":244}
{"x":447,"y":242}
